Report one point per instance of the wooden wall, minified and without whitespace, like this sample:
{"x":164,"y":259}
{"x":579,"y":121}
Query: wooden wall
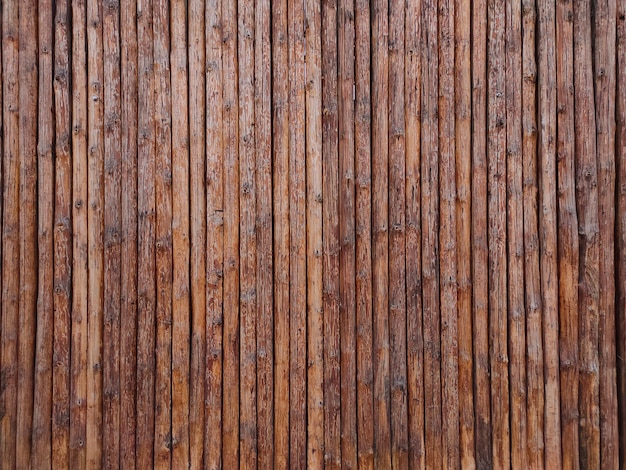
{"x":373,"y":233}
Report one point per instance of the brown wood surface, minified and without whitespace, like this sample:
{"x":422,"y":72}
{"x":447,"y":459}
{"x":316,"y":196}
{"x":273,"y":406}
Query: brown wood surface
{"x":338,"y":234}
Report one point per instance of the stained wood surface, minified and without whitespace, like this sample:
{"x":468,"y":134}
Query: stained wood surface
{"x":310,"y":234}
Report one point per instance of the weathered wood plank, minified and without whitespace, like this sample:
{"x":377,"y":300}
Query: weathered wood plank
{"x":181,"y":313}
{"x":46,"y":191}
{"x":95,"y":230}
{"x":128,"y":301}
{"x":314,"y":246}
{"x":28,"y":155}
{"x":112,"y":235}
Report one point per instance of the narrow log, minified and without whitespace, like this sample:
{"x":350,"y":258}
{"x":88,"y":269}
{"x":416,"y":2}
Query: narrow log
{"x":181,"y":314}
{"x":380,"y":231}
{"x":95,"y":227}
{"x":264,"y":222}
{"x":588,"y":237}
{"x":496,"y":202}
{"x":415,"y":334}
{"x":297,"y":241}
{"x":430,"y":236}
{"x":546,"y":150}
{"x":532,"y":281}
{"x":247,"y":240}
{"x":447,"y":239}
{"x":280,"y":148}
{"x":78,"y":346}
{"x":567,"y":236}
{"x":346,"y":214}
{"x":463,"y":170}
{"x":620,"y":210}
{"x":46,"y":191}
{"x":604,"y":55}
{"x":330,"y":227}
{"x":146,"y":281}
{"x":314,"y":247}
{"x":363,"y":234}
{"x":480,"y":288}
{"x":201,"y":435}
{"x":112,"y":235}
{"x":163,"y":235}
{"x":214,"y":214}
{"x":27,"y":313}
{"x":230,"y":113}
{"x":10,"y":232}
{"x":128,"y":303}
{"x":515,"y":236}
{"x":397,"y":239}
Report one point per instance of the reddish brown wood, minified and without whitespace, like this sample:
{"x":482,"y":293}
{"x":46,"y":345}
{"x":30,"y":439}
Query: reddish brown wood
{"x":363,"y":234}
{"x":330,"y":233}
{"x":532,"y":281}
{"x":128,"y":305}
{"x":62,"y":296}
{"x":28,"y":157}
{"x":214,"y":211}
{"x":78,"y":346}
{"x":181,"y":312}
{"x":112,"y":235}
{"x":546,"y":170}
{"x":41,"y":456}
{"x":430,"y":237}
{"x":380,"y":231}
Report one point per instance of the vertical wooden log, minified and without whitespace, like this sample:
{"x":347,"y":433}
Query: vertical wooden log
{"x":532,"y":281}
{"x":330,"y":225}
{"x":604,"y":54}
{"x":95,"y":227}
{"x":620,"y":158}
{"x":346,"y":214}
{"x":163,"y":235}
{"x":146,"y":282}
{"x":463,"y":135}
{"x":496,"y":202}
{"x":315,"y":319}
{"x":588,"y":237}
{"x":78,"y":346}
{"x":380,"y":232}
{"x":214,"y":213}
{"x":181,"y":318}
{"x":62,"y":296}
{"x":363,"y":233}
{"x":128,"y":303}
{"x":42,"y":406}
{"x":247,"y":240}
{"x":397,"y":238}
{"x":480,"y":290}
{"x":230,"y":375}
{"x":297,"y":224}
{"x":447,"y":239}
{"x":546,"y":103}
{"x":430,"y":240}
{"x":568,"y":235}
{"x":515,"y":236}
{"x":415,"y":334}
{"x":10,"y":233}
{"x":264,"y":220}
{"x":332,"y":392}
{"x":27,"y":321}
{"x":2,"y":397}
{"x":202,"y":435}
{"x":280,"y":94}
{"x":112,"y":232}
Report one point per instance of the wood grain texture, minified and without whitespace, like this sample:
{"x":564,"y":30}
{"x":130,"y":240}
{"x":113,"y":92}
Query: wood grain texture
{"x":335,"y":234}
